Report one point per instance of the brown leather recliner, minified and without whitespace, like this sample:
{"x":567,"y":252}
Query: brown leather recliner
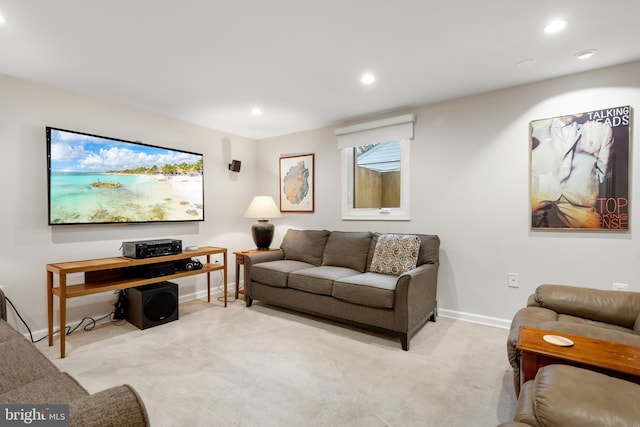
{"x":566,"y":396}
{"x":602,"y":314}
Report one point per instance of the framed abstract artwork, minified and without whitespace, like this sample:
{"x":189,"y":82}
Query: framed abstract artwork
{"x":579,"y":167}
{"x":296,"y":183}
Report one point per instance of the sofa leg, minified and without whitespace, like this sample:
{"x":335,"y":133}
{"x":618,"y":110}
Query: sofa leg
{"x":248,"y":300}
{"x":404,"y":339}
{"x":433,"y":316}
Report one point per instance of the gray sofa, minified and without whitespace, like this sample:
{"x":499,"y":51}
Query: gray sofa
{"x":350,"y":277}
{"x":27,"y":377}
{"x":601,"y":314}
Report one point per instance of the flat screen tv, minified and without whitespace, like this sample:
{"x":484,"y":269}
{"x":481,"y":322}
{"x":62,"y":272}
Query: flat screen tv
{"x":99,"y":180}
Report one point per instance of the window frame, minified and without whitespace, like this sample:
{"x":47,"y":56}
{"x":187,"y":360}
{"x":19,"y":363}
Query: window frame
{"x":398,"y":128}
{"x":402,"y":213}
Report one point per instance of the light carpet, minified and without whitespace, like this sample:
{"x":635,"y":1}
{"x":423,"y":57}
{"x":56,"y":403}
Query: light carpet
{"x":262,"y":366}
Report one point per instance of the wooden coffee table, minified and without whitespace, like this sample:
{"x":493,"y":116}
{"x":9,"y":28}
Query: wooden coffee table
{"x":610,"y":358}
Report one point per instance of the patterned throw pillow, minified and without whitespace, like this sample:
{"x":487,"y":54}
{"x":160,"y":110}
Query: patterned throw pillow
{"x":395,"y":254}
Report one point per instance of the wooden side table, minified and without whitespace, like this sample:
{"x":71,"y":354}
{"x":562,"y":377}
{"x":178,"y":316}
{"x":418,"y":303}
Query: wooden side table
{"x":610,"y":358}
{"x":240,"y":261}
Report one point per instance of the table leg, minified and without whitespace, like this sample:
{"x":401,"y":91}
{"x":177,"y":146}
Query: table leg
{"x":528,"y":366}
{"x":63,"y":313}
{"x":224,"y":254}
{"x":237,"y":276}
{"x":208,"y":280}
{"x":50,"y":305}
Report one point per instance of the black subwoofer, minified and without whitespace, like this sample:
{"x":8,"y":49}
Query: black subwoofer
{"x":152,"y":305}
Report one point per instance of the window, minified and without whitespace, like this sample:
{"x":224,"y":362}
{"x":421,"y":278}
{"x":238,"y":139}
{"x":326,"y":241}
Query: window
{"x":375,"y":169}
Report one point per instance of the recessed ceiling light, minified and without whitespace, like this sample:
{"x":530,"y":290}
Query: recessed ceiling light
{"x":584,"y":54}
{"x":368,"y":79}
{"x":2,"y":19}
{"x":555,"y":26}
{"x":256,"y":111}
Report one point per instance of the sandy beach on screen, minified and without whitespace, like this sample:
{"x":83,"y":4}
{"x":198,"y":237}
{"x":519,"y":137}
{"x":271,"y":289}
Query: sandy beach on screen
{"x":185,"y":194}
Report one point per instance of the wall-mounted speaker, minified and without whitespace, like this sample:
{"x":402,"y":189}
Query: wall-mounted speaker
{"x":234,"y":166}
{"x":152,"y":305}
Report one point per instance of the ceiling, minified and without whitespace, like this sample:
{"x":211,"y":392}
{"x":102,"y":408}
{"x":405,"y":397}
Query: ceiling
{"x":209,"y":62}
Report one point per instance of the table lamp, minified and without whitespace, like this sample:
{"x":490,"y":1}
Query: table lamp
{"x":262,"y":207}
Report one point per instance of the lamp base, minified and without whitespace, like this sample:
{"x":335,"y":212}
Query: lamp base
{"x":262,"y":233}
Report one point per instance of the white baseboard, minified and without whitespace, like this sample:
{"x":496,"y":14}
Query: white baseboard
{"x":460,"y":315}
{"x":475,"y":318}
{"x":231,"y":288}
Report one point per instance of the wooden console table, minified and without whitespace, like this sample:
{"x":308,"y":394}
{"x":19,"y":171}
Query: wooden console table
{"x":110,"y":274}
{"x":610,"y":358}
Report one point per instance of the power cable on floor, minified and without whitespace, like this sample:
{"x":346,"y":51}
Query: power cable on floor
{"x":68,"y":329}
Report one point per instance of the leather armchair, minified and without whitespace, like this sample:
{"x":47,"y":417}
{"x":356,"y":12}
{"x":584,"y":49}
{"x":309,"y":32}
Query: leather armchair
{"x":602,"y":314}
{"x":566,"y":396}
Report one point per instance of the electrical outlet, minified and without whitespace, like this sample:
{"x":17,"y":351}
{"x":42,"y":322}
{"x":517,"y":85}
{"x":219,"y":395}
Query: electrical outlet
{"x":620,"y":286}
{"x":512,"y":280}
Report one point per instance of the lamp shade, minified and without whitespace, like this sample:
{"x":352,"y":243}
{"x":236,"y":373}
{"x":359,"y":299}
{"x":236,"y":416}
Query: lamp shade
{"x":262,"y":207}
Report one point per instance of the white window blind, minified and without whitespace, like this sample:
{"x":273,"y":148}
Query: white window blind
{"x":390,"y":129}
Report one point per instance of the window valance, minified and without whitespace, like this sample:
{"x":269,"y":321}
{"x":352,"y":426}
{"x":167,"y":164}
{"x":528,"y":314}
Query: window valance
{"x":390,"y":129}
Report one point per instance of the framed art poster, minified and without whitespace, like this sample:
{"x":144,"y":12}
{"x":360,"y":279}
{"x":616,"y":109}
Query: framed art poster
{"x":296,"y":183}
{"x":580,"y":170}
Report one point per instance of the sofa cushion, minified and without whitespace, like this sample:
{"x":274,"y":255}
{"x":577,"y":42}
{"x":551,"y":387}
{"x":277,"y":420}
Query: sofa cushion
{"x":275,"y":273}
{"x":347,"y":249}
{"x":429,"y":249}
{"x":395,"y":254}
{"x":54,"y":389}
{"x":304,"y":245}
{"x":318,"y":280}
{"x":22,"y":363}
{"x":370,"y":289}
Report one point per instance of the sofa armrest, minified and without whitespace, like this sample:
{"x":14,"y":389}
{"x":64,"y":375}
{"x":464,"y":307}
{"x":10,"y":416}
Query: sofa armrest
{"x":416,"y":295}
{"x":266,"y":256}
{"x":527,"y":316}
{"x":117,"y":406}
{"x":258,"y":257}
{"x":525,"y":412}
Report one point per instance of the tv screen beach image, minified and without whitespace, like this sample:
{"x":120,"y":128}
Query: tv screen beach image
{"x":95,"y":180}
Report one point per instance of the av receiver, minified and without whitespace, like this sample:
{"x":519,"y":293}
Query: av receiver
{"x":151,"y":248}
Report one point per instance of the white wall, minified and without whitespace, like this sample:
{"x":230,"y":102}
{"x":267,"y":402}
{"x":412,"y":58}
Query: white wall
{"x":470,"y":162}
{"x":469,"y":179}
{"x":28,"y":243}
